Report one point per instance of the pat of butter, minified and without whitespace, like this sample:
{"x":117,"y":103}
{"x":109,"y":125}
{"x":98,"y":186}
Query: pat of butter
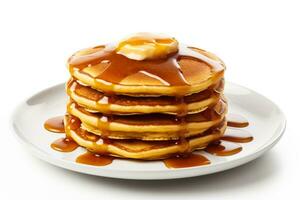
{"x":144,"y":46}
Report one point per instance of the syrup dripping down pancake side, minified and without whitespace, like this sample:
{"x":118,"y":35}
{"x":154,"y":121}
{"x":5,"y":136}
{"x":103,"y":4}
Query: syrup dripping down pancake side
{"x":96,"y":101}
{"x":175,"y":75}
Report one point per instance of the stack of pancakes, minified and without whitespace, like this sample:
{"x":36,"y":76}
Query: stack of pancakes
{"x":150,"y":109}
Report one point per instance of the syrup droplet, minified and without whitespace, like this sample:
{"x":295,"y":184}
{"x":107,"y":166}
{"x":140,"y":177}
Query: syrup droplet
{"x":90,"y":158}
{"x":223,"y":148}
{"x":235,"y":120}
{"x":237,"y":135}
{"x":55,"y":124}
{"x":64,"y":145}
{"x":190,"y":160}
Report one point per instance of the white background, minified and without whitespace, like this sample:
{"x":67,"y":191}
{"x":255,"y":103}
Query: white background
{"x":258,"y":40}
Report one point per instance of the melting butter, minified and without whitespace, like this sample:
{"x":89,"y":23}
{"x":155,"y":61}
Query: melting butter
{"x":147,"y":46}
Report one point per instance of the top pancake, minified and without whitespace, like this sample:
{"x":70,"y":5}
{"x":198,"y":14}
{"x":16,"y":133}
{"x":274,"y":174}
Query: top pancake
{"x":188,"y":71}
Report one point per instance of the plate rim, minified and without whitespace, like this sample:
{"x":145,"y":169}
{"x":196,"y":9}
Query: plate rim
{"x":77,"y":167}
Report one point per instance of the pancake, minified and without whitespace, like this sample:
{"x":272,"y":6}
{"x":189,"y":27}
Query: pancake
{"x":146,"y":136}
{"x":147,"y":97}
{"x":128,"y":125}
{"x":96,"y":101}
{"x":137,"y":149}
{"x":188,"y":71}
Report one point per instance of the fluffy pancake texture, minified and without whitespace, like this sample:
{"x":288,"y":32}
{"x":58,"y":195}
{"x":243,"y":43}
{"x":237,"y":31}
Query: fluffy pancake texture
{"x":145,"y":108}
{"x":153,"y":123}
{"x":97,"y":101}
{"x":138,"y":149}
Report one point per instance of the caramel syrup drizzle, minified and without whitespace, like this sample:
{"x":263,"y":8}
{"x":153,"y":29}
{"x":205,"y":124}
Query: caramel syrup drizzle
{"x":106,"y":100}
{"x":237,"y":136}
{"x":190,"y":160}
{"x":225,"y":147}
{"x":221,"y":148}
{"x":95,"y":159}
{"x":64,"y":145}
{"x":55,"y":124}
{"x":237,"y":121}
{"x":115,"y":65}
{"x":112,"y":67}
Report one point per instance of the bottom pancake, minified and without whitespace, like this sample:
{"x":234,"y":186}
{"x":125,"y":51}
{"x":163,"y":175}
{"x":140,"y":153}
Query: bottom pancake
{"x":137,"y":149}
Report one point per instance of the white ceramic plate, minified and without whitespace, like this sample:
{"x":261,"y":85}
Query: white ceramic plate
{"x":267,"y":124}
